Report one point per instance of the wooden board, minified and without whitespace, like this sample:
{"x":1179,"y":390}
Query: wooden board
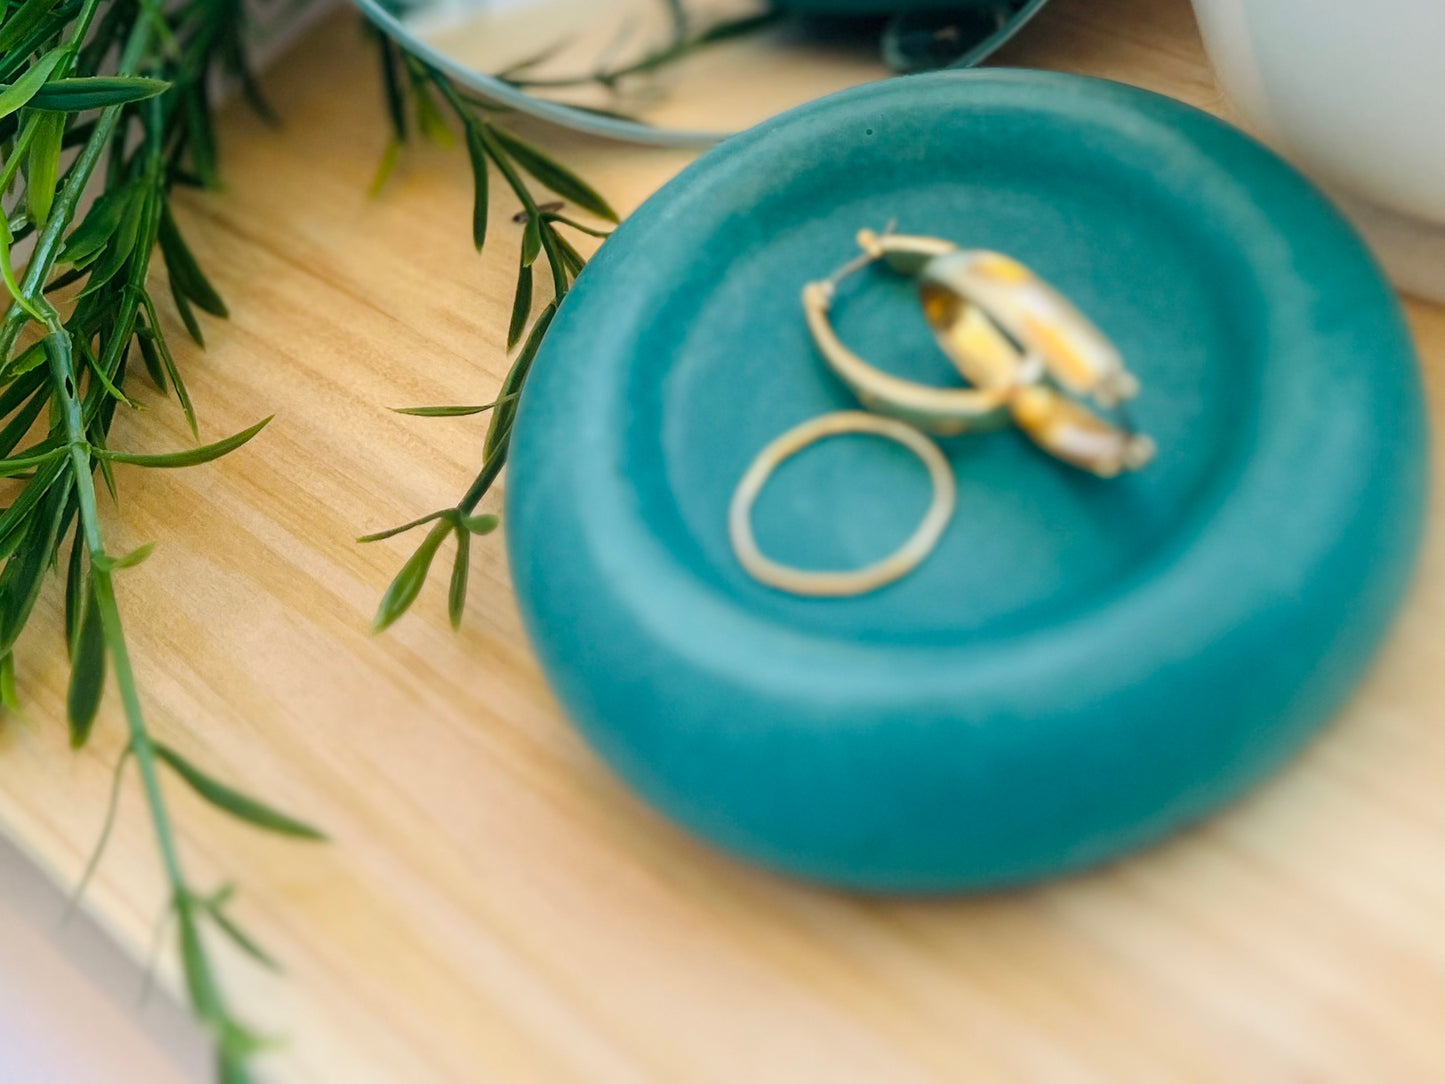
{"x":495,"y":906}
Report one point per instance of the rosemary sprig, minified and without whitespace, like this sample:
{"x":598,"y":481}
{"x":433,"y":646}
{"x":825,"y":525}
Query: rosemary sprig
{"x":683,"y":43}
{"x":116,"y":92}
{"x":413,"y":89}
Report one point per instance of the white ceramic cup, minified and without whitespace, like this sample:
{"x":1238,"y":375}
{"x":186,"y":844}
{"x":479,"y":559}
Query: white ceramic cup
{"x":1354,"y":90}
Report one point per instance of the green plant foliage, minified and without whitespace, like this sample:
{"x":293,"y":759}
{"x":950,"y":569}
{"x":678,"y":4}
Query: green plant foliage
{"x":111,"y":98}
{"x":412,"y":90}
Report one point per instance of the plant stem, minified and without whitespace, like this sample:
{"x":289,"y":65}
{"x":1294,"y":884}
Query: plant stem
{"x":62,"y":369}
{"x":509,"y":173}
{"x":47,"y":245}
{"x":65,"y":381}
{"x":488,"y":474}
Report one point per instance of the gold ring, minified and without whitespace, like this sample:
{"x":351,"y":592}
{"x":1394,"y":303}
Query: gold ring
{"x":826,"y":584}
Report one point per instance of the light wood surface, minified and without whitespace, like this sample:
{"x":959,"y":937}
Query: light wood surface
{"x":495,"y":906}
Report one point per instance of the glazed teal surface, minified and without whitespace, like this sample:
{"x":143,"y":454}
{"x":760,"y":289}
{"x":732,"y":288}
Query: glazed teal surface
{"x":1082,"y":666}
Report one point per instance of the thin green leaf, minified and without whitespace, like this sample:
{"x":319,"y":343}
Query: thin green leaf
{"x":89,"y":238}
{"x":122,"y":243}
{"x":21,"y":424}
{"x":20,"y":92}
{"x":87,"y":672}
{"x":516,"y":70}
{"x":237,"y":64}
{"x":192,"y":457}
{"x":7,"y":273}
{"x":20,"y":21}
{"x":202,"y":138}
{"x":237,"y":1046}
{"x":96,"y":92}
{"x":16,"y":139}
{"x":231,"y":1066}
{"x":391,"y":82}
{"x":457,"y":596}
{"x":24,"y":573}
{"x":32,"y":357}
{"x":107,"y":473}
{"x":221,"y":896}
{"x":443,"y":411}
{"x":477,"y":153}
{"x":42,"y":165}
{"x":188,"y":315}
{"x":105,"y":382}
{"x":75,"y":583}
{"x":241,"y":806}
{"x":571,"y":223}
{"x":407,"y":585}
{"x":392,"y":532}
{"x":151,"y":357}
{"x":112,"y":807}
{"x":501,"y":423}
{"x":8,"y":698}
{"x":521,"y":305}
{"x":554,"y":175}
{"x":185,"y":272}
{"x":483,"y":524}
{"x":385,"y":168}
{"x":571,"y":258}
{"x":200,"y":984}
{"x":429,"y":118}
{"x":241,"y":939}
{"x":28,"y":389}
{"x":531,"y":242}
{"x":128,"y":560}
{"x":169,"y":362}
{"x":16,"y":517}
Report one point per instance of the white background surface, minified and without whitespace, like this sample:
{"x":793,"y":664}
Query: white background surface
{"x":70,"y":1010}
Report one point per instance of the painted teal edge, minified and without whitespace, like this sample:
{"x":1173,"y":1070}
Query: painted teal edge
{"x":722,"y":731}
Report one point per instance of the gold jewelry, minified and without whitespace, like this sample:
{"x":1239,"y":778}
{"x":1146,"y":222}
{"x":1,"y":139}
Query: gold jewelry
{"x":840,"y":584}
{"x":959,"y":288}
{"x":1069,"y":431}
{"x":1001,"y":325}
{"x":1006,"y":331}
{"x":941,"y":411}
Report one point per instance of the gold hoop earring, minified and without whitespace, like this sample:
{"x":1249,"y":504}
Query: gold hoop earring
{"x":861,"y":581}
{"x":960,"y":287}
{"x":982,"y":306}
{"x":1073,"y":433}
{"x":940,"y":411}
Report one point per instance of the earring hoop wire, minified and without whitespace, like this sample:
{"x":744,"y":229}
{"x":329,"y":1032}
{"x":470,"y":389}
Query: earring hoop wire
{"x":840,"y":584}
{"x":939,"y":411}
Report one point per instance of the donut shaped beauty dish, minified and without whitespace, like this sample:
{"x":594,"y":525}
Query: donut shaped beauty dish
{"x":1083,"y":664}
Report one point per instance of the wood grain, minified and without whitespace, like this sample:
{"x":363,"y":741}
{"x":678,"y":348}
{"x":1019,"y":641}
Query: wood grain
{"x":494,"y":905}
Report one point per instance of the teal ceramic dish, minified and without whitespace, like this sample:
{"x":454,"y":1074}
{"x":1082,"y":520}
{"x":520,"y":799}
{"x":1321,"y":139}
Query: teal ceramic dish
{"x":1082,"y":666}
